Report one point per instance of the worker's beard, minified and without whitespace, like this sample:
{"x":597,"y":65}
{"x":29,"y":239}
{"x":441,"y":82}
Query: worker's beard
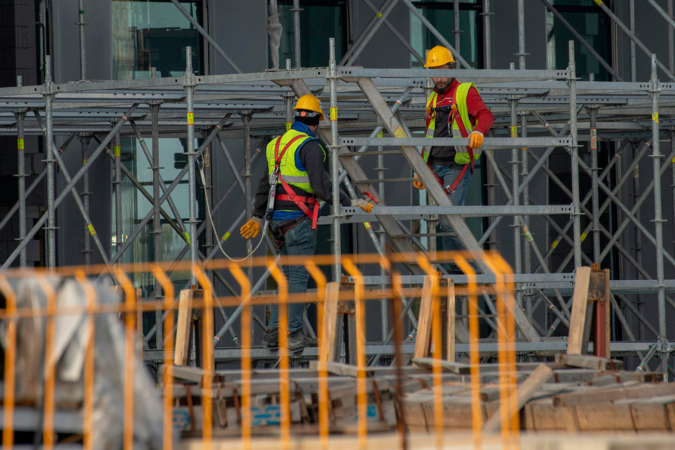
{"x":442,"y":86}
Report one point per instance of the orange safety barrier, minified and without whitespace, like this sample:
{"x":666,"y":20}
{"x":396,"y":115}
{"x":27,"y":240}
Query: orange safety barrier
{"x":503,"y":289}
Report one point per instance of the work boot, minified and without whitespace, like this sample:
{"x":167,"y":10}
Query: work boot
{"x":297,"y":341}
{"x":271,"y":339}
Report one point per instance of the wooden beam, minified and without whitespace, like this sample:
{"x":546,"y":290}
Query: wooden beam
{"x":455,"y":367}
{"x":594,"y":396}
{"x":336,"y":368}
{"x":183,"y":328}
{"x":589,"y":362}
{"x":450,"y":337}
{"x":577,"y":342}
{"x":434,"y":189}
{"x":330,"y":317}
{"x":423,"y":339}
{"x":523,"y":394}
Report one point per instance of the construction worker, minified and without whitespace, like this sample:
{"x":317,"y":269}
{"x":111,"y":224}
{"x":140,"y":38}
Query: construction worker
{"x":454,"y":109}
{"x":289,"y":195}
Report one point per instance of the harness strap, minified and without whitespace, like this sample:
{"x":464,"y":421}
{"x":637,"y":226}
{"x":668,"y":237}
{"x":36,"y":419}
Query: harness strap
{"x":290,"y":194}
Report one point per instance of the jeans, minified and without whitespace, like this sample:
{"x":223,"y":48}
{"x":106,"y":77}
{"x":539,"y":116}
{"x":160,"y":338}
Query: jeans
{"x":449,"y":174}
{"x":300,"y":241}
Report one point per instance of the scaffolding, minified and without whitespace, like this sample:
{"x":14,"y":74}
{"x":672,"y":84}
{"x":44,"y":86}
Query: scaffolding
{"x":552,"y":108}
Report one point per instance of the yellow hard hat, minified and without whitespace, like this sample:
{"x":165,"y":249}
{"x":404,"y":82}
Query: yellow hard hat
{"x":309,"y":103}
{"x":439,"y":56}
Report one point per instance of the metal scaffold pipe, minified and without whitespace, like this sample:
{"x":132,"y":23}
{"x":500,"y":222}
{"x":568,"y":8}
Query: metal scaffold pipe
{"x":189,"y":85}
{"x":658,"y":216}
{"x":335,"y":164}
{"x":575,"y":155}
{"x":49,"y":146}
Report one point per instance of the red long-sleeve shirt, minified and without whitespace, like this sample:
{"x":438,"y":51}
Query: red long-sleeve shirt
{"x":480,"y":116}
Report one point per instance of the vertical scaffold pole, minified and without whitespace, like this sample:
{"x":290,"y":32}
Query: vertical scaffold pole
{"x":384,"y":312}
{"x":633,"y":67}
{"x":84,"y":141}
{"x":156,"y":218}
{"x":575,"y":156}
{"x":671,"y":40}
{"x":335,"y":164}
{"x":21,"y":177}
{"x":49,"y":150}
{"x":455,"y":5}
{"x":521,"y":35}
{"x":83,"y":50}
{"x":246,"y":117}
{"x":658,"y":218}
{"x":118,"y":192}
{"x":189,"y":90}
{"x":525,"y":220}
{"x":515,"y":162}
{"x":593,"y":114}
{"x":296,"y":32}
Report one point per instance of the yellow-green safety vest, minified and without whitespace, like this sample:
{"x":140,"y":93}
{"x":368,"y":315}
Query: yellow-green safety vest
{"x":462,"y":155}
{"x":288,"y":170}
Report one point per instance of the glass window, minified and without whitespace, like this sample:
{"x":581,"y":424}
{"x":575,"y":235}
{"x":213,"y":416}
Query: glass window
{"x":146,"y":34}
{"x":595,"y":27}
{"x":441,"y":14}
{"x":332,"y":15}
{"x":153,"y":34}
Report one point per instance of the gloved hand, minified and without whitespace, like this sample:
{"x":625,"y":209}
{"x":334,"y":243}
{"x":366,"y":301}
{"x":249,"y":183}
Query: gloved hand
{"x":364,"y":205}
{"x":251,"y":228}
{"x":418,"y":184}
{"x":476,"y":139}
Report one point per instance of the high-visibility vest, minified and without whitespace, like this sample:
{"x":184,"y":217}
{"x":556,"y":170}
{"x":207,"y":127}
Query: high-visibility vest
{"x":287,"y":168}
{"x":462,"y":155}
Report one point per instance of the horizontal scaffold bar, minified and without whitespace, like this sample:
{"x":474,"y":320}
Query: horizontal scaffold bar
{"x":488,"y":143}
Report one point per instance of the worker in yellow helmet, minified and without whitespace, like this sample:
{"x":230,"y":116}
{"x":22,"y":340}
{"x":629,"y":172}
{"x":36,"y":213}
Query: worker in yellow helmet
{"x":454,"y":109}
{"x":288,"y":195}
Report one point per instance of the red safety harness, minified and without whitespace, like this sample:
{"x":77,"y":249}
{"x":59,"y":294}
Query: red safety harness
{"x":290,"y":196}
{"x":454,"y":115}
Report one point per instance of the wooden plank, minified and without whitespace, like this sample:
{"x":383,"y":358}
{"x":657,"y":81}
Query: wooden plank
{"x":336,"y":368}
{"x":522,"y":394}
{"x":651,"y":417}
{"x":595,"y":396}
{"x":330,"y":317}
{"x":605,"y":417}
{"x":423,"y":339}
{"x":575,"y":341}
{"x":450,"y":337}
{"x":183,"y":328}
{"x":455,"y":367}
{"x":589,"y":362}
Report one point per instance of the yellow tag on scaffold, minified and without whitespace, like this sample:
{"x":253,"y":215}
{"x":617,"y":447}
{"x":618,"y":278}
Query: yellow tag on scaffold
{"x":583,"y":236}
{"x":514,"y":131}
{"x":191,"y":118}
{"x":19,"y":144}
{"x":399,"y":133}
{"x":598,"y":2}
{"x":288,"y":125}
{"x":91,"y":229}
{"x":655,"y":117}
{"x":333,"y":114}
{"x":118,"y":152}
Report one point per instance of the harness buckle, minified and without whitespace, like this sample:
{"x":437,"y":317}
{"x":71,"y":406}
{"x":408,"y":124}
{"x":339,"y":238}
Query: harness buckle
{"x":449,"y":189}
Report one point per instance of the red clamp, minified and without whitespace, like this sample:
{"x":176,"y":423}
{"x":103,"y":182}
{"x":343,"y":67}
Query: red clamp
{"x":370,"y":196}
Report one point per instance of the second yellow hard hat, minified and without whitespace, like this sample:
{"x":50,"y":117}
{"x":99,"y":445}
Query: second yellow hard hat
{"x":439,"y":56}
{"x":309,"y":103}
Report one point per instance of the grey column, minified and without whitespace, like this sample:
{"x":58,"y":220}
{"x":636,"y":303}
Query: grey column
{"x":296,"y":33}
{"x":157,"y":217}
{"x":84,"y":141}
{"x":455,"y":8}
{"x":83,"y":50}
{"x":575,"y":156}
{"x":658,"y":216}
{"x":189,"y":91}
{"x":49,"y":146}
{"x":593,"y":112}
{"x":633,"y":66}
{"x":521,"y":35}
{"x":335,"y":164}
{"x":118,"y":192}
{"x":515,"y":160}
{"x":21,"y":176}
{"x":246,"y":116}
